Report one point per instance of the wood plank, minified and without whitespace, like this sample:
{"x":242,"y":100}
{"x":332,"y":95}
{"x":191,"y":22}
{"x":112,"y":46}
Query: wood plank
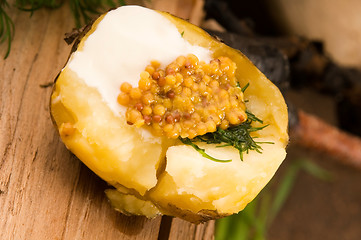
{"x":191,"y":10}
{"x":45,"y":192}
{"x":181,"y":229}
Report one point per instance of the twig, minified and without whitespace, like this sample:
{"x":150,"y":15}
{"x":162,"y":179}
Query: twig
{"x":314,"y":133}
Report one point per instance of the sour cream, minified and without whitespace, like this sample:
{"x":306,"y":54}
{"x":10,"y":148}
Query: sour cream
{"x":123,"y":44}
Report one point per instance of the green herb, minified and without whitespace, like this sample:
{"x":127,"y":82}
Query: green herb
{"x":238,"y":136}
{"x":253,"y":117}
{"x":32,"y":5}
{"x":6,"y":27}
{"x":201,"y":150}
{"x":83,"y":12}
{"x":182,"y":34}
{"x":245,"y":87}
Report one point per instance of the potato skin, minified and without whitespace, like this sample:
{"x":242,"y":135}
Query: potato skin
{"x":270,"y":107}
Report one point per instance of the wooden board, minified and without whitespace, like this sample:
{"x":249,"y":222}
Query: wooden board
{"x":45,"y":192}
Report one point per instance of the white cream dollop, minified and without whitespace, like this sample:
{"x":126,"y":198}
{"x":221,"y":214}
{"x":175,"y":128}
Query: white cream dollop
{"x":123,"y":44}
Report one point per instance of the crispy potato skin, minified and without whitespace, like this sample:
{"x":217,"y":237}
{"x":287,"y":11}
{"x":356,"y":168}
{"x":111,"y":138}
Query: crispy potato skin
{"x":130,"y":169}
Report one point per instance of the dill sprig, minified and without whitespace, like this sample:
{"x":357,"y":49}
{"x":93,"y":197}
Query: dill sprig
{"x":33,"y":5}
{"x":238,"y":136}
{"x":201,"y":150}
{"x":83,"y":12}
{"x":6,"y":27}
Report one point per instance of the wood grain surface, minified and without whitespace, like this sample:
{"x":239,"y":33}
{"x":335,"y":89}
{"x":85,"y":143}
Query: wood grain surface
{"x":45,"y":191}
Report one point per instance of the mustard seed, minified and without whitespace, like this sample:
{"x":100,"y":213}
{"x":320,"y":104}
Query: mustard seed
{"x":156,"y":75}
{"x":157,"y":118}
{"x":135,"y":93}
{"x":188,"y":98}
{"x":147,"y":110}
{"x":139,"y":106}
{"x":161,"y":81}
{"x":170,"y":71}
{"x":147,"y":119}
{"x":125,"y":87}
{"x":177,"y":116}
{"x":169,"y":119}
{"x":123,"y":98}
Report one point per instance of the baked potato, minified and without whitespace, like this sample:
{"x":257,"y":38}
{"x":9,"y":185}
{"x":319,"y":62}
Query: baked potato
{"x":154,"y":174}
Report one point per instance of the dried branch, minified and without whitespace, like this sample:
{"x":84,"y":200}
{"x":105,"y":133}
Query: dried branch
{"x":314,"y":133}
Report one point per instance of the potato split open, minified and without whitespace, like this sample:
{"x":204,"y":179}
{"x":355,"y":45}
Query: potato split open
{"x":155,"y":174}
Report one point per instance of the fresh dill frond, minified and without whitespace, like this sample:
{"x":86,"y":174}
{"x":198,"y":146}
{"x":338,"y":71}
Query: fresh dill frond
{"x":238,"y":136}
{"x":32,"y":5}
{"x":245,"y":87}
{"x":83,"y":12}
{"x":253,"y":117}
{"x":201,"y":150}
{"x":6,"y":27}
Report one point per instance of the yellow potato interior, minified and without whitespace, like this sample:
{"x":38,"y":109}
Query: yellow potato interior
{"x":110,"y":147}
{"x":192,"y":182}
{"x":163,"y":173}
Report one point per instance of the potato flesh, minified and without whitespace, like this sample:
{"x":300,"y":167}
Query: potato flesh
{"x":131,"y":205}
{"x":195,"y":183}
{"x":104,"y":142}
{"x":190,"y":183}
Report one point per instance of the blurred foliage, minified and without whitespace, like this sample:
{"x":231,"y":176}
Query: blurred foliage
{"x":253,"y":222}
{"x":6,"y":26}
{"x":83,"y":12}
